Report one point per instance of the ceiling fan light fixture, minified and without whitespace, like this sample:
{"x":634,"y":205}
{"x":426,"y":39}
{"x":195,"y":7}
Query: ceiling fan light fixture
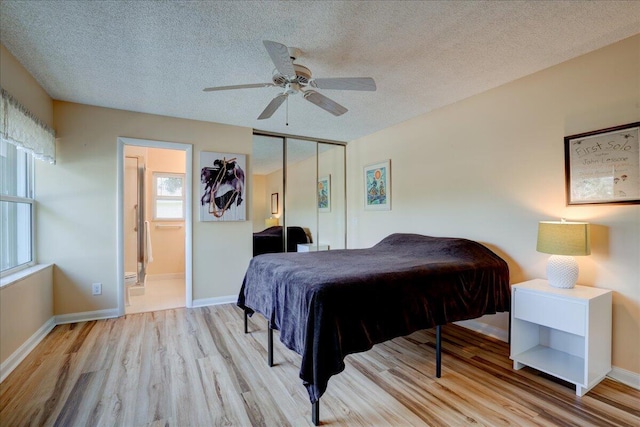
{"x":292,"y":88}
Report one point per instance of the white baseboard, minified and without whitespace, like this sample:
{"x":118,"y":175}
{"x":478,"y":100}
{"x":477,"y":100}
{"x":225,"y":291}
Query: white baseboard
{"x":85,"y":316}
{"x":485,"y":329}
{"x":204,"y":302}
{"x":23,"y":351}
{"x":625,"y":377}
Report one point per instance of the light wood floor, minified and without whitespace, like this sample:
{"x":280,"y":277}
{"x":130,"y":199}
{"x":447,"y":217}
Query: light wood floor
{"x":196,"y":367}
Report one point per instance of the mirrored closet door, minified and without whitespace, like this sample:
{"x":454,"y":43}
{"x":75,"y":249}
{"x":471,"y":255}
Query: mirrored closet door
{"x":332,"y":228}
{"x":298,"y":194}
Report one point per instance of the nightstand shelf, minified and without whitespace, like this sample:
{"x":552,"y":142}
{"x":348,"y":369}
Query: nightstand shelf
{"x":562,"y":332}
{"x":554,"y":362}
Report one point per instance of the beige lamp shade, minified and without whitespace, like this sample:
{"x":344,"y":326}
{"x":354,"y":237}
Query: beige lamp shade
{"x":271,"y":222}
{"x":564,"y":238}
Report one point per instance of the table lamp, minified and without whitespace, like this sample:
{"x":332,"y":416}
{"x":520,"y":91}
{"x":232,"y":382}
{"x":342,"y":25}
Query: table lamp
{"x":564,"y":240}
{"x":271,"y":222}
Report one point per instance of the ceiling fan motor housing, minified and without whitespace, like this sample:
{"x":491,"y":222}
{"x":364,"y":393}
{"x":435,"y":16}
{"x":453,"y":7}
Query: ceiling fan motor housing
{"x":302,"y":77}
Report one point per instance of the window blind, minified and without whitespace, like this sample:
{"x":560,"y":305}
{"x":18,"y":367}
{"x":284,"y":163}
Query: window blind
{"x":23,"y":129}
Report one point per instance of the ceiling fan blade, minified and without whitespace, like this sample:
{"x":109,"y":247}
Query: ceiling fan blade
{"x":273,"y":106}
{"x":249,"y":86}
{"x":345,"y":83}
{"x":325,"y":103}
{"x":279,"y":54}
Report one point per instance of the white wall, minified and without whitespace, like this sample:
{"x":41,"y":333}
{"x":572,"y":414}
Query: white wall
{"x":16,"y":80}
{"x":260,"y":202}
{"x":167,"y":244}
{"x":301,"y":208}
{"x":490,"y":167}
{"x":77,"y":221}
{"x":26,"y":305}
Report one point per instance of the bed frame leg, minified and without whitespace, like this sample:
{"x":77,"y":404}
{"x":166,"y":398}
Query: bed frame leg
{"x":438,"y":355}
{"x":315,"y":413}
{"x":246,"y":322}
{"x":270,"y":345}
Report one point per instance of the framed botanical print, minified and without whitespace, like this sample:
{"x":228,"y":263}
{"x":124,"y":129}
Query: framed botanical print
{"x":324,"y":194}
{"x":377,"y":186}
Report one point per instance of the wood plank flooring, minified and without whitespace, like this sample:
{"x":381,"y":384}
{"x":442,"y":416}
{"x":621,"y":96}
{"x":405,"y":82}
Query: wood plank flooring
{"x":196,"y":367}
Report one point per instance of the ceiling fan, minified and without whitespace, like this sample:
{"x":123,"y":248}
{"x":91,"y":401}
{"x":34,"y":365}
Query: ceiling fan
{"x":295,"y":78}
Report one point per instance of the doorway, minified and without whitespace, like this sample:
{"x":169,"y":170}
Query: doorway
{"x":154,"y":225}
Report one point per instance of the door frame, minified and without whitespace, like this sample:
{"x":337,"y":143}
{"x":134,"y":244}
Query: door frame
{"x":188,"y":220}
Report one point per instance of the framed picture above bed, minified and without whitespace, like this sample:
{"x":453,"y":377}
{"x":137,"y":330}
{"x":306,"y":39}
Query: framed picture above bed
{"x":324,"y":194}
{"x":603,"y":166}
{"x":274,"y":203}
{"x":222,"y":187}
{"x":377,"y":186}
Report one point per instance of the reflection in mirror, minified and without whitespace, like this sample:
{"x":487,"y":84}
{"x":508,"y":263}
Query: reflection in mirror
{"x":267,"y":174}
{"x":299,"y":204}
{"x":300,"y":208}
{"x":331,"y":197}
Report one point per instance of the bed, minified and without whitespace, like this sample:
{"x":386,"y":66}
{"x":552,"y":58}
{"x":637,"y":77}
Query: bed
{"x":270,"y":240}
{"x":329,"y":304}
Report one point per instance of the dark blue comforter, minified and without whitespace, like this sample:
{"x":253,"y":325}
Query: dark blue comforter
{"x":329,"y":304}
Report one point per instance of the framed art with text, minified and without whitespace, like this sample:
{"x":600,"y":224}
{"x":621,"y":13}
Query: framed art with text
{"x":603,"y":166}
{"x":377,"y":185}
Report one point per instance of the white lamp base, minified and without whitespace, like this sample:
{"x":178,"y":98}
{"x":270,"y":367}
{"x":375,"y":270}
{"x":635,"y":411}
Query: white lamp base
{"x":562,"y":271}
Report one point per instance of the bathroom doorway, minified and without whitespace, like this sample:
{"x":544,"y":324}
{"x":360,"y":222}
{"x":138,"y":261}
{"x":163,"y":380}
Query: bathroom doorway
{"x":155,"y":223}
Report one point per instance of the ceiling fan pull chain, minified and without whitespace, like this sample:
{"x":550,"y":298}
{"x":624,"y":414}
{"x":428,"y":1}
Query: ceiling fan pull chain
{"x":287,"y":120}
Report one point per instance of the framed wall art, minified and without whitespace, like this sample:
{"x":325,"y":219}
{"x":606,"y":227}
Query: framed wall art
{"x":274,"y":203}
{"x":603,"y":166}
{"x":377,"y":185}
{"x":324,"y":194}
{"x":222,"y":187}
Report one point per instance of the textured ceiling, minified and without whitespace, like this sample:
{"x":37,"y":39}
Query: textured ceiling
{"x":156,"y":57}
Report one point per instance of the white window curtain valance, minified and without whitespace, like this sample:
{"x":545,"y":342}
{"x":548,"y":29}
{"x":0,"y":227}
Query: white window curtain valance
{"x":20,"y":127}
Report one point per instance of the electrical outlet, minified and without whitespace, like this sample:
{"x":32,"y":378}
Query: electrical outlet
{"x":96,"y":289}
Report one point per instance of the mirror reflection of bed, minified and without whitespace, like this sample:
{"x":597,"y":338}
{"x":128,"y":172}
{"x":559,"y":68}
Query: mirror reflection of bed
{"x":271,"y":241}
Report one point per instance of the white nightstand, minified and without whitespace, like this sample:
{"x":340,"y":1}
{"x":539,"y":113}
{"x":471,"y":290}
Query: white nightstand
{"x":312,"y":247}
{"x":562,"y":332}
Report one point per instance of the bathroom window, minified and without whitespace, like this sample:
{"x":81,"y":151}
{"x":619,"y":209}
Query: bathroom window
{"x":168,"y":196}
{"x":16,"y":208}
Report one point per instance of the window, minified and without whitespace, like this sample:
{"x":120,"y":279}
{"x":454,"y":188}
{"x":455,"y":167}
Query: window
{"x":16,"y":208}
{"x":168,"y":196}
